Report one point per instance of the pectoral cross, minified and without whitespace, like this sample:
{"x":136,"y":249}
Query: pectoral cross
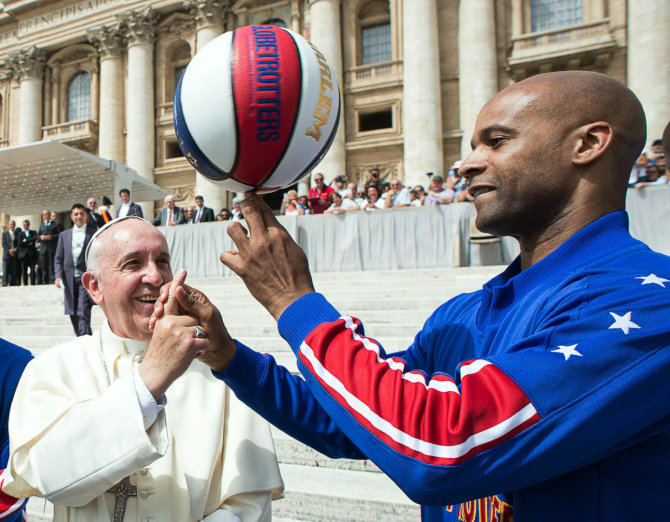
{"x":122,"y":491}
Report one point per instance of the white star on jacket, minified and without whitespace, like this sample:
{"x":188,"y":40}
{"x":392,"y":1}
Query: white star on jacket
{"x":653,"y":279}
{"x":623,"y":322}
{"x":568,"y":351}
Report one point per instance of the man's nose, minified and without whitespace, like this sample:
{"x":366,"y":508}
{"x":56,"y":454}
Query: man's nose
{"x":473,"y":165}
{"x":152,"y":275}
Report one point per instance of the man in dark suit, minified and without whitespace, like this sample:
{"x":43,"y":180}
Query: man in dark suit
{"x":202,"y":213}
{"x":48,"y":237}
{"x":10,"y":262}
{"x":27,"y":252}
{"x":70,"y":264}
{"x":170,"y":214}
{"x":94,"y":219}
{"x":128,"y":208}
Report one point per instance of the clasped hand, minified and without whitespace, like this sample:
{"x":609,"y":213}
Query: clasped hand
{"x":174,"y":345}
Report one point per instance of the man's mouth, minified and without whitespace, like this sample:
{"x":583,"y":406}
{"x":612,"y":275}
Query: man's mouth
{"x":147,"y":298}
{"x":479,"y":190}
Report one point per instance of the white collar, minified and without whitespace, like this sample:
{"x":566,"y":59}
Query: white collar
{"x":120,"y":344}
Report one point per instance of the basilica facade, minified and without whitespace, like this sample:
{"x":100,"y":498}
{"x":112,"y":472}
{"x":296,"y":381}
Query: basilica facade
{"x":100,"y":75}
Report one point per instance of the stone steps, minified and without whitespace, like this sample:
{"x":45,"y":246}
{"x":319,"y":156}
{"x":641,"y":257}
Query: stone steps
{"x":392,"y":305}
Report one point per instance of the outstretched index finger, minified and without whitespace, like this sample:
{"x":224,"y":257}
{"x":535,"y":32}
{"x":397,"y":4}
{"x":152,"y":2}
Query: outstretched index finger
{"x":172,"y":304}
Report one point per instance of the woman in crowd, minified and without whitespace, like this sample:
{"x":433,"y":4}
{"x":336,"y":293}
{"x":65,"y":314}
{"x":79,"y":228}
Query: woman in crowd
{"x":374,"y":202}
{"x":417,"y":196}
{"x":339,"y":205}
{"x":290,"y":205}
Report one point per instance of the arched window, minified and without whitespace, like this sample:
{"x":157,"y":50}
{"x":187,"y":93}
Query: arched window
{"x":79,"y":97}
{"x":554,"y":14}
{"x":375,"y":33}
{"x":276,"y":21}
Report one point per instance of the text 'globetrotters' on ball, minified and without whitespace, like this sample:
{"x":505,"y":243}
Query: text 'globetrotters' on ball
{"x":256,"y":108}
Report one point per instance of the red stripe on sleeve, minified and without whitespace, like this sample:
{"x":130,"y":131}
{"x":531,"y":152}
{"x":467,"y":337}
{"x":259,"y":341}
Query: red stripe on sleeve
{"x":428,"y":418}
{"x":8,"y":504}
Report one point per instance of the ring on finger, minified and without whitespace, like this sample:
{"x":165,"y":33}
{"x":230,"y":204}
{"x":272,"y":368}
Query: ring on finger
{"x":199,"y":333}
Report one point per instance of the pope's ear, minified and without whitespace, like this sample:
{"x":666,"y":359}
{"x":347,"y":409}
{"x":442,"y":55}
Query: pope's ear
{"x":92,"y":287}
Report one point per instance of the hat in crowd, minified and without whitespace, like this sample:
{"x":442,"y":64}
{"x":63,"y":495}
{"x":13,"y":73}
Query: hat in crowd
{"x":106,"y":200}
{"x":437,"y":177}
{"x":456,"y":165}
{"x":339,"y":179}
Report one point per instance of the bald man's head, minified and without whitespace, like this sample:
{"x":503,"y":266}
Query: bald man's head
{"x":576,"y":98}
{"x":553,"y":145}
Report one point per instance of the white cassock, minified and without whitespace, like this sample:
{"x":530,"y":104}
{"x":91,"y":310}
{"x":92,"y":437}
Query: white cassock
{"x":73,"y":436}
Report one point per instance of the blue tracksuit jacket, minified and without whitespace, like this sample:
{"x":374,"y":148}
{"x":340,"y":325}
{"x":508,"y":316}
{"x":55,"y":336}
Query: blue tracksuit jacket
{"x":545,"y":396}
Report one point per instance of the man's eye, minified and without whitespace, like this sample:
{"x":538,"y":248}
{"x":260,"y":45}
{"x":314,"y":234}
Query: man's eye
{"x":495,"y":141}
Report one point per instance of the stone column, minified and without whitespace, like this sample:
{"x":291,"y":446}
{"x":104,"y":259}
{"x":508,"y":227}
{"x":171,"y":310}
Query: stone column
{"x":140,"y":126}
{"x":422,"y":107}
{"x":108,"y":42}
{"x":648,"y":67}
{"x":209,"y":23}
{"x":477,"y":65}
{"x":324,"y":16}
{"x":28,"y":67}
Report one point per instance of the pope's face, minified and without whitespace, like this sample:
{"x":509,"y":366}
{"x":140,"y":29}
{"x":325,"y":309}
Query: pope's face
{"x":136,"y":263}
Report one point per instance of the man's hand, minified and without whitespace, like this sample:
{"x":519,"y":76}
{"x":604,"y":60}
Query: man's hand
{"x":173,"y":348}
{"x":176,"y":298}
{"x":57,"y":282}
{"x":270,"y":263}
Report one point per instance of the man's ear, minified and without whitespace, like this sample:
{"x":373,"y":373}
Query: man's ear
{"x":92,"y":287}
{"x":593,"y":139}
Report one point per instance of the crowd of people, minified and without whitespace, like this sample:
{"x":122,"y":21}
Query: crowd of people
{"x":375,"y":193}
{"x":650,"y":168}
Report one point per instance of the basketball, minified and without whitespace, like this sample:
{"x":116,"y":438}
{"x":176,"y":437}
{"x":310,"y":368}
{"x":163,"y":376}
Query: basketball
{"x":256,"y":109}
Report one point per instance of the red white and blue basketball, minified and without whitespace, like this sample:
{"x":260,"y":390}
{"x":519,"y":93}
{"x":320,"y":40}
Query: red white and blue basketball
{"x":256,"y":108}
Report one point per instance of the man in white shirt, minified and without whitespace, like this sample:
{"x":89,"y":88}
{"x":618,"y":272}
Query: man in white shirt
{"x":398,"y":195}
{"x":128,"y":208}
{"x":70,"y":265}
{"x":128,"y":418}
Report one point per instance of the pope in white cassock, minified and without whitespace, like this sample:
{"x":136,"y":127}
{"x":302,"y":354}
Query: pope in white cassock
{"x":134,"y":411}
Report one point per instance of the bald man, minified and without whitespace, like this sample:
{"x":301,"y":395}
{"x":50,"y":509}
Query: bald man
{"x":541,"y":397}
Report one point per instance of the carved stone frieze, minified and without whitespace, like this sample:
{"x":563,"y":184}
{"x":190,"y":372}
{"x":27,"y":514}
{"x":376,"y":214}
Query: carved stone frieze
{"x":182,"y":192}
